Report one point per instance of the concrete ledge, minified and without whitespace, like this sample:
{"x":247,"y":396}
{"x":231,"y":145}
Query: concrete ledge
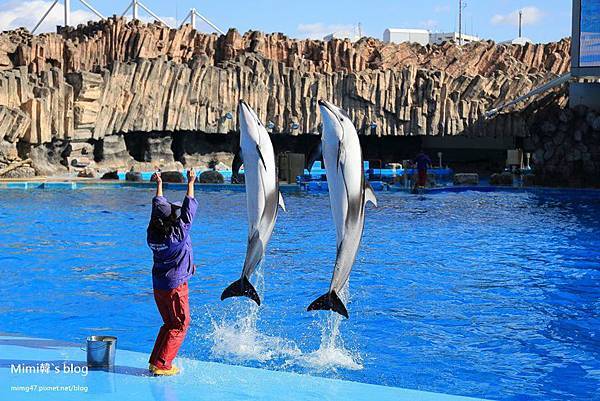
{"x":79,"y":184}
{"x":198,"y":380}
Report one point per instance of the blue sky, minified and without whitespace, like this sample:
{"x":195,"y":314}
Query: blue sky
{"x":544,"y":21}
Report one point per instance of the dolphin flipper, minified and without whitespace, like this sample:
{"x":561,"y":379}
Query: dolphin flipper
{"x":329,"y":301}
{"x":315,"y":154}
{"x":239,"y":288}
{"x":281,"y":203}
{"x":235,"y":166}
{"x":370,"y":194}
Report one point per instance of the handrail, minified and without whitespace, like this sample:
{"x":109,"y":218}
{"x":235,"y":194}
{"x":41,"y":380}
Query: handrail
{"x":540,"y":89}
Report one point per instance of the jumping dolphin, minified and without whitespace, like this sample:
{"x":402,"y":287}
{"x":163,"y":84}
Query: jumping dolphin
{"x":262,"y":197}
{"x":348,"y":193}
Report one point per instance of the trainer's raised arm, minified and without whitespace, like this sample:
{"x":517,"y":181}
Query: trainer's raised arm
{"x":191,"y":177}
{"x":156,"y":177}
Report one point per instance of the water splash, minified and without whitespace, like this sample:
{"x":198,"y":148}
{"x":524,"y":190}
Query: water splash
{"x":239,"y":339}
{"x":332,"y":353}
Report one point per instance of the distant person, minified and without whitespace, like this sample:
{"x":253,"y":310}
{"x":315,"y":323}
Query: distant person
{"x":422,"y":162}
{"x":168,"y":237}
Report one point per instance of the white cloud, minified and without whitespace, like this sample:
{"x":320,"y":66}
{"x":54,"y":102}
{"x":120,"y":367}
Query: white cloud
{"x":531,"y":15}
{"x":319,"y":30}
{"x":429,"y":24}
{"x":441,"y":8}
{"x":15,"y":14}
{"x":171,"y":21}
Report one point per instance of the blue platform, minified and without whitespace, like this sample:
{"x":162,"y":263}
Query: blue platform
{"x":198,"y":380}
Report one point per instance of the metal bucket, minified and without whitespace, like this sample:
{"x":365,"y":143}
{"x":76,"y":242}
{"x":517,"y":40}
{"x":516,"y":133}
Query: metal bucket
{"x":101,"y":351}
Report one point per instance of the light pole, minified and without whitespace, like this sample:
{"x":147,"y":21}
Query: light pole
{"x":461,"y":4}
{"x":373,"y":127}
{"x":520,"y":22}
{"x":67,"y":12}
{"x":223,"y":122}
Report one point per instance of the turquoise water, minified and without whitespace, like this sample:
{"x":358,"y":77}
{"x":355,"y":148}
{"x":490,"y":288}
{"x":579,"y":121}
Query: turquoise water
{"x":493,"y":295}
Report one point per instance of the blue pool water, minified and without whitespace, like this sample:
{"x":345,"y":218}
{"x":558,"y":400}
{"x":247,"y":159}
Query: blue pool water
{"x":491,"y":295}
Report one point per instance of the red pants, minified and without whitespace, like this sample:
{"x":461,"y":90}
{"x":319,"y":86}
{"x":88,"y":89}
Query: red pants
{"x":422,"y":180}
{"x":175,"y":311}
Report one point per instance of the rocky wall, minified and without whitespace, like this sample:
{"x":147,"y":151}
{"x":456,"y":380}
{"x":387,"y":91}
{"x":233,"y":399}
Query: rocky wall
{"x":566,"y":146}
{"x":97,"y":82}
{"x":99,"y":44}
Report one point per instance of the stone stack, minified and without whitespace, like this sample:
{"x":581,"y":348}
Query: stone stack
{"x":568,"y":147}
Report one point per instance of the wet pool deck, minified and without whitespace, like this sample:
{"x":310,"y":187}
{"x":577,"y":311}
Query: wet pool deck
{"x":198,"y":380}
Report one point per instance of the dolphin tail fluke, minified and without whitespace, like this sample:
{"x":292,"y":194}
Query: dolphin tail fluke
{"x":241,"y":288}
{"x":329,"y":301}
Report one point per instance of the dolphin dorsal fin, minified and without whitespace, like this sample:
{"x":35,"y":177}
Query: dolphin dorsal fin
{"x":281,"y":204}
{"x":370,"y":194}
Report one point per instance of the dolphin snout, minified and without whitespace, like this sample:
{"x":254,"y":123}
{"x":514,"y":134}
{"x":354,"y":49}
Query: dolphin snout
{"x":326,"y":105}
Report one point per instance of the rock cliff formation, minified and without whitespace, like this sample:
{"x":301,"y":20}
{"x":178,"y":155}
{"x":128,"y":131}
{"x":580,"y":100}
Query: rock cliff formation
{"x":72,"y":95}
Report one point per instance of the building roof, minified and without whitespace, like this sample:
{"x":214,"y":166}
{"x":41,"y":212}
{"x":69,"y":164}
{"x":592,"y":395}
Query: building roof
{"x":407,"y":30}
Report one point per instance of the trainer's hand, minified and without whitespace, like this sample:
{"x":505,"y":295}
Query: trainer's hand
{"x":191,"y":176}
{"x":156,"y":177}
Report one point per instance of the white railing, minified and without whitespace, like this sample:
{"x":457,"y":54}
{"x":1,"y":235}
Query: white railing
{"x":192,"y":17}
{"x":134,"y":6}
{"x":67,"y":5}
{"x":536,"y":91}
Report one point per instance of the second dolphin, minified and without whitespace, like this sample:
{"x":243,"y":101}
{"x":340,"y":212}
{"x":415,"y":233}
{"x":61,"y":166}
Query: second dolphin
{"x":262,"y":197}
{"x":348,"y":193}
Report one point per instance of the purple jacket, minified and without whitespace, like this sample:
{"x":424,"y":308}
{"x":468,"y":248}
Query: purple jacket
{"x":422,"y":161}
{"x":173,"y":256}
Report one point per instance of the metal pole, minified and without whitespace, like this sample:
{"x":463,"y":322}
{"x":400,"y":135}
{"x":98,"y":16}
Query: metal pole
{"x":460,"y":22}
{"x":150,"y":12}
{"x":92,"y":9}
{"x":44,"y":17}
{"x":210,"y":23}
{"x":184,"y":20}
{"x":67,"y":12}
{"x":127,"y":9}
{"x":520,"y":21}
{"x":539,"y":90}
{"x":193,"y":18}
{"x":135,"y":9}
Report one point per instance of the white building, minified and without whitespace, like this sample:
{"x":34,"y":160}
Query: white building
{"x":342,"y":35}
{"x":517,"y":41}
{"x":439,"y":38}
{"x":393,"y":35}
{"x":424,"y":37}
